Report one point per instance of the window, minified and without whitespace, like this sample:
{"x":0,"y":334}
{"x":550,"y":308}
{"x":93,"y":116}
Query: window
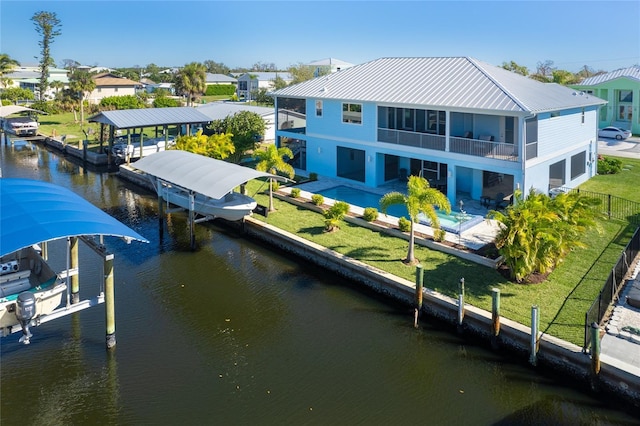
{"x":555,"y":114}
{"x":578,"y":164}
{"x":556,"y":174}
{"x":116,"y":89}
{"x":242,"y":85}
{"x":352,"y":113}
{"x":582,"y":116}
{"x":625,"y":96}
{"x":318,"y":108}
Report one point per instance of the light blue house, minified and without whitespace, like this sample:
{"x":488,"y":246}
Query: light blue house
{"x":467,"y":126}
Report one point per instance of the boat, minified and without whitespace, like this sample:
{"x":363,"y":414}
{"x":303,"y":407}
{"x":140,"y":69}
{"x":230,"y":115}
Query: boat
{"x":232,"y":206}
{"x":29,"y":290}
{"x":20,"y":126}
{"x":123,"y":150}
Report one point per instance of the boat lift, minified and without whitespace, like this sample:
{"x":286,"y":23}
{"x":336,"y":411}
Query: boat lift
{"x":26,"y":213}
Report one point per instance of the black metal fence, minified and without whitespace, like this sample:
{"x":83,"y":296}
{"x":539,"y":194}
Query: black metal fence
{"x":611,"y":288}
{"x":615,"y":207}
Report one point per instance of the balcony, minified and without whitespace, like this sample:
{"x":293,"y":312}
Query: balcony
{"x":466,"y":146}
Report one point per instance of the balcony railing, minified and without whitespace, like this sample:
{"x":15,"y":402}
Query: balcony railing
{"x":466,"y":146}
{"x":486,"y":149}
{"x":419,"y":140}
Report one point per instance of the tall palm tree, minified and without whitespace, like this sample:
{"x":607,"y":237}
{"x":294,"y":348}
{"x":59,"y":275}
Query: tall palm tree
{"x":191,"y":80}
{"x":420,"y":198}
{"x":271,"y":160}
{"x":81,"y":82}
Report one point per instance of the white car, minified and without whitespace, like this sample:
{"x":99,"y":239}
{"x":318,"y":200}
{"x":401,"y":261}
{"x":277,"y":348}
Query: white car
{"x":614,"y":133}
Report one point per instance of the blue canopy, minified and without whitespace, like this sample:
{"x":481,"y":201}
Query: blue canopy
{"x":32,"y":212}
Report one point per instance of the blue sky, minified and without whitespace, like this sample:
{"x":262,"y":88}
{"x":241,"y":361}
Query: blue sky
{"x":604,"y":35}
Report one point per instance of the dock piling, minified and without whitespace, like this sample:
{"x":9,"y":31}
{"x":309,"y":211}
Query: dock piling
{"x":460,"y":302}
{"x":109,"y":301}
{"x":75,"y":279}
{"x":419,"y":285}
{"x":535,"y":322}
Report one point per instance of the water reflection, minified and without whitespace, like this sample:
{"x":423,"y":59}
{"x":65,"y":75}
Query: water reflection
{"x":234,"y":333}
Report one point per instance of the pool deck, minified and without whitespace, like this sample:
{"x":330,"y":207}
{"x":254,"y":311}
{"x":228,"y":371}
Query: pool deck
{"x":473,"y":238}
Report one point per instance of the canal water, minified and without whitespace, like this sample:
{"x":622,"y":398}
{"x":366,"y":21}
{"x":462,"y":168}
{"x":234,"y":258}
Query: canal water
{"x":235,"y":333}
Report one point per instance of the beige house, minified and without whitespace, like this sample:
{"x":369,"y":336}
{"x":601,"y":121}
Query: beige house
{"x":108,"y":85}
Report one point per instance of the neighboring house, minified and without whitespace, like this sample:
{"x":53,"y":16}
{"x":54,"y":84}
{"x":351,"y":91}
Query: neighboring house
{"x":220,"y":79}
{"x":90,"y":69}
{"x":28,"y":77}
{"x":151,"y":86}
{"x":621,"y":88}
{"x":221,"y":110}
{"x":108,"y":84}
{"x":463,"y":124}
{"x":329,"y":64}
{"x":249,"y":83}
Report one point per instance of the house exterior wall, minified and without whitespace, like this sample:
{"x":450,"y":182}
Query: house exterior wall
{"x":610,"y":113}
{"x":106,"y":91}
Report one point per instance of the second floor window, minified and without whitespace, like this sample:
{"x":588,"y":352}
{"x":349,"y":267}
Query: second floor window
{"x":352,"y":113}
{"x":318,"y":108}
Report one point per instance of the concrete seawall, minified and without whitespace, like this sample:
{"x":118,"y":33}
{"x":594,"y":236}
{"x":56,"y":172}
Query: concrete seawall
{"x":614,"y":380}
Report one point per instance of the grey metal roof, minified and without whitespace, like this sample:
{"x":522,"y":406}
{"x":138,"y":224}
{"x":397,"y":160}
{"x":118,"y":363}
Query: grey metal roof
{"x":204,"y":175}
{"x":632,"y":73}
{"x":220,"y":78}
{"x":149,"y":117}
{"x":443,"y":82}
{"x":266,"y":76}
{"x":221,"y":110}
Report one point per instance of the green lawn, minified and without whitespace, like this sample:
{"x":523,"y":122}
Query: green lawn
{"x":563,"y":298}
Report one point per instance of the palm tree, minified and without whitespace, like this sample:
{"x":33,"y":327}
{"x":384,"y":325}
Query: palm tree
{"x":191,"y":80}
{"x":82,"y":83}
{"x":420,"y":198}
{"x":7,"y":64}
{"x":271,"y":160}
{"x":57,"y":84}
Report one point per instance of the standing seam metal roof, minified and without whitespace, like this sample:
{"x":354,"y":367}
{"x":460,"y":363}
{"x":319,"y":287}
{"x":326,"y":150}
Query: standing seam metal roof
{"x":449,"y":82}
{"x":149,"y":117}
{"x":632,"y":73}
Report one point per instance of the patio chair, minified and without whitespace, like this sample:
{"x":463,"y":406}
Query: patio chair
{"x":500,"y":203}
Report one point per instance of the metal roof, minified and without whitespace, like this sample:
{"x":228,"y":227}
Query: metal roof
{"x":6,"y":110}
{"x":266,"y":76}
{"x":443,"y":82}
{"x":207,"y":176}
{"x":150,"y":117}
{"x":220,"y":78}
{"x":221,"y":110}
{"x":632,"y":73}
{"x":32,"y":212}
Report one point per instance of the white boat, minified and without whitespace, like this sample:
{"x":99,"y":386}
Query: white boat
{"x":20,"y":126}
{"x":122,"y":150}
{"x":29,"y":289}
{"x":233,"y":206}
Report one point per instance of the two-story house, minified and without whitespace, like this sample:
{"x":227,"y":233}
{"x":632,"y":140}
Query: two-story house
{"x":108,"y":84}
{"x":461,"y":123}
{"x":249,"y":83}
{"x":621,"y":88}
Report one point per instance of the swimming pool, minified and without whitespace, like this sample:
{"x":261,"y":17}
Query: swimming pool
{"x":357,"y":197}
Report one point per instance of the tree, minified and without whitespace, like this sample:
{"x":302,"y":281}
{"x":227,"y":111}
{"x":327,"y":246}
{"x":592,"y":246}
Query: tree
{"x":279,"y":83}
{"x":420,"y":198}
{"x":57,"y":85}
{"x":514,"y":67}
{"x":70,"y":64}
{"x":216,"y":67}
{"x":259,"y":66}
{"x":7,"y":64}
{"x":564,"y":77}
{"x":246,"y":127}
{"x":543,"y":72}
{"x":191,"y":81}
{"x":83,"y":84}
{"x":538,"y":233}
{"x":14,"y":94}
{"x":47,"y":25}
{"x":272,"y":160}
{"x":300,"y":73}
{"x":217,"y":146}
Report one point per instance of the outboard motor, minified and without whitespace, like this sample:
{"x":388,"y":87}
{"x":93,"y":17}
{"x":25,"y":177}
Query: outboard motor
{"x":25,"y":311}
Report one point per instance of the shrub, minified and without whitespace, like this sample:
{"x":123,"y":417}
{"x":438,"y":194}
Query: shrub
{"x":122,"y":102}
{"x":404,"y":224}
{"x":609,"y":166}
{"x":220,"y":90}
{"x":295,"y":192}
{"x":439,"y":234}
{"x":313,"y":176}
{"x":370,"y":214}
{"x":165,"y":102}
{"x":317,"y":199}
{"x":334,"y":215}
{"x":275,"y":185}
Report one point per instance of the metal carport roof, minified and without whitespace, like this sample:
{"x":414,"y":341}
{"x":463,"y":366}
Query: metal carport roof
{"x":150,"y":117}
{"x":204,"y":175}
{"x":32,"y":212}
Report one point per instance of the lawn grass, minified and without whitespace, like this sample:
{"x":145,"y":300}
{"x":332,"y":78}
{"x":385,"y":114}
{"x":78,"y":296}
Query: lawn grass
{"x":562,"y":299}
{"x":623,"y":184}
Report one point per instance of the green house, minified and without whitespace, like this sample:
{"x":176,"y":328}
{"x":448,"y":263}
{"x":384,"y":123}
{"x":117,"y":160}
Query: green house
{"x":621,"y":89}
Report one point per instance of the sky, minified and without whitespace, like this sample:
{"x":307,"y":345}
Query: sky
{"x":603,"y":35}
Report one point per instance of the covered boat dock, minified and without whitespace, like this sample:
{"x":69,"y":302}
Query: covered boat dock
{"x":36,"y":213}
{"x":196,"y":174}
{"x":158,"y":118}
